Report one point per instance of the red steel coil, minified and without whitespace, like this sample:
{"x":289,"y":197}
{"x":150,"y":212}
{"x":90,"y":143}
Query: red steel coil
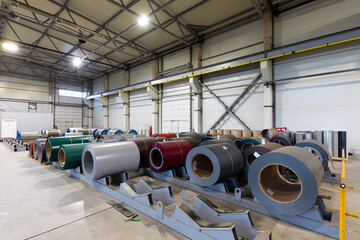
{"x":166,"y":135}
{"x":168,"y":155}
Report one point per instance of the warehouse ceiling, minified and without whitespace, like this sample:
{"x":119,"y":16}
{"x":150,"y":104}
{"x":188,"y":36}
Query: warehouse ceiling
{"x":106,"y":35}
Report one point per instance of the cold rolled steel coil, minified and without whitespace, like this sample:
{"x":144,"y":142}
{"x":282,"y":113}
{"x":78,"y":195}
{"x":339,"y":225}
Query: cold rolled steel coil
{"x":285,"y":141}
{"x":86,"y":131}
{"x":72,"y":134}
{"x":308,"y":135}
{"x":236,"y":133}
{"x":132,"y":131}
{"x":42,"y":152}
{"x":210,"y":164}
{"x":53,"y":144}
{"x":246,"y":133}
{"x":100,"y":132}
{"x":288,"y":134}
{"x":27,"y":135}
{"x":250,"y":154}
{"x":256,"y":133}
{"x":279,"y":194}
{"x":114,"y":132}
{"x":318,"y":136}
{"x":37,"y":144}
{"x":328,"y":141}
{"x":269,"y":133}
{"x":52,"y":133}
{"x":335,"y":144}
{"x":299,"y":136}
{"x":318,"y":149}
{"x":343,"y":143}
{"x":164,"y":156}
{"x":100,"y":160}
{"x":143,"y":145}
{"x":31,"y":149}
{"x":73,"y":130}
{"x":69,"y":155}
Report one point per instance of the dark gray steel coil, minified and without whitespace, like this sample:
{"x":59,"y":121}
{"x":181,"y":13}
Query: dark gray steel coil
{"x":37,"y":143}
{"x":318,"y":149}
{"x":280,"y":195}
{"x":210,"y":164}
{"x":285,"y":141}
{"x":335,"y":144}
{"x":100,"y":160}
{"x":251,"y":154}
{"x":343,"y":143}
{"x":299,"y":136}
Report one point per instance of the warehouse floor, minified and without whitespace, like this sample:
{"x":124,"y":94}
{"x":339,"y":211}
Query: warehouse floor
{"x":40,"y":202}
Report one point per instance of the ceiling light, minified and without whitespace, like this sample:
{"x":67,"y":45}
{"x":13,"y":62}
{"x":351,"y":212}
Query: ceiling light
{"x":77,"y":61}
{"x":10,"y":47}
{"x":143,"y":20}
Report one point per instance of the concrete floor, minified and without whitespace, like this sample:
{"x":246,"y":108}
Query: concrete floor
{"x":38,"y":202}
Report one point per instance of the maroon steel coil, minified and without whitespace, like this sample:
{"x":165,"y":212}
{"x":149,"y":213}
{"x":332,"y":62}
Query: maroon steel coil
{"x":168,"y":155}
{"x":144,"y":145}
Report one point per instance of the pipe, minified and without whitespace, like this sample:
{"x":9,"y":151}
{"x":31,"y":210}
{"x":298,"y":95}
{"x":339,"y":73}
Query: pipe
{"x":164,"y":156}
{"x":211,"y":164}
{"x":101,"y":160}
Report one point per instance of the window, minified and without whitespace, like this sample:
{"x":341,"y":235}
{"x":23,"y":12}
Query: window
{"x":70,"y":93}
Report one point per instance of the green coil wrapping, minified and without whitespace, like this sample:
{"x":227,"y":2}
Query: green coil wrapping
{"x":53,"y":145}
{"x":69,"y":156}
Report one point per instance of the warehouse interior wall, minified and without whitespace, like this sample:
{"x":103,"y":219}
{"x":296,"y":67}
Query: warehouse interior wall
{"x":295,"y":108}
{"x":16,"y":93}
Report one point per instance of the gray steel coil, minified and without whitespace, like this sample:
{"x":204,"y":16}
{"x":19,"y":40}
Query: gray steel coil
{"x":285,"y":141}
{"x":51,"y":133}
{"x":210,"y":164}
{"x":318,"y":149}
{"x":299,"y":136}
{"x":308,"y":135}
{"x":280,"y":194}
{"x":73,"y":134}
{"x":335,"y":144}
{"x":28,"y":135}
{"x":328,"y":141}
{"x":100,"y":160}
{"x":318,"y":135}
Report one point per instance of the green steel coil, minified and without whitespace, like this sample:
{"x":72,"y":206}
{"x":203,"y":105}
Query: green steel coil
{"x":244,"y":143}
{"x":133,"y":136}
{"x":53,"y":144}
{"x":69,"y":156}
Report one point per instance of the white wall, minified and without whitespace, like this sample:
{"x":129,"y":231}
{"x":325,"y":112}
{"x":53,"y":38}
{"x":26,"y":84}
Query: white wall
{"x":140,"y":110}
{"x":16,"y":93}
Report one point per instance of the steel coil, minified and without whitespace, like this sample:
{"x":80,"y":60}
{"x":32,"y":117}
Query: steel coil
{"x":285,"y":141}
{"x":53,"y":144}
{"x":211,"y":164}
{"x":37,"y":144}
{"x":51,"y":133}
{"x":165,"y":135}
{"x":86,"y":131}
{"x":328,"y":141}
{"x":244,"y":143}
{"x":288,"y":134}
{"x":27,"y":135}
{"x":69,"y":155}
{"x":270,"y":183}
{"x":114,"y":132}
{"x":252,"y":153}
{"x":215,"y":141}
{"x":143,"y":145}
{"x":164,"y":156}
{"x":318,"y":136}
{"x":308,"y":135}
{"x":42,"y":152}
{"x":343,"y":143}
{"x":318,"y":149}
{"x":194,"y":135}
{"x":73,"y":130}
{"x":299,"y":136}
{"x":100,"y":160}
{"x":335,"y":144}
{"x":194,"y":142}
{"x":72,"y":134}
{"x":269,"y":133}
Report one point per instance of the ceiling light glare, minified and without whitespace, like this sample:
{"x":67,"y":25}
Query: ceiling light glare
{"x":77,"y":61}
{"x":143,"y":20}
{"x":10,"y":47}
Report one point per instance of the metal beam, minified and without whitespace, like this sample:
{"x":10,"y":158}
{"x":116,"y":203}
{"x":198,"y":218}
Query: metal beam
{"x":257,"y":7}
{"x":227,"y":109}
